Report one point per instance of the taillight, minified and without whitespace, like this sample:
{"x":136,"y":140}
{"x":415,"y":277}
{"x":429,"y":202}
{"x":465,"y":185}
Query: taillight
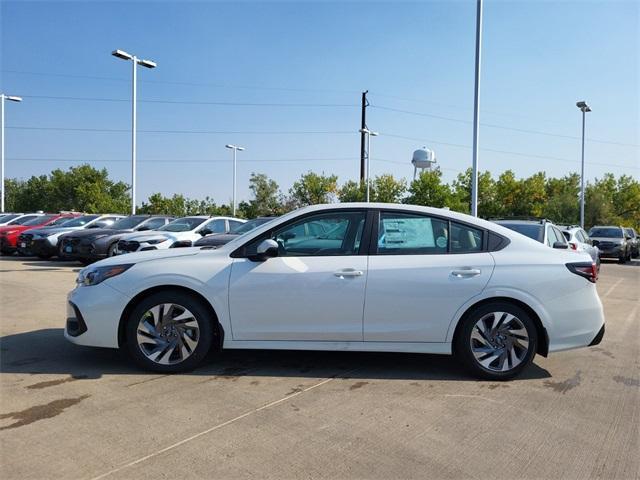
{"x":586,"y":270}
{"x":574,"y":246}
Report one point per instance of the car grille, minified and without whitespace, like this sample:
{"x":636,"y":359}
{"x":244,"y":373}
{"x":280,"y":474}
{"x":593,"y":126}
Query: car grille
{"x":128,"y":246}
{"x":27,"y":239}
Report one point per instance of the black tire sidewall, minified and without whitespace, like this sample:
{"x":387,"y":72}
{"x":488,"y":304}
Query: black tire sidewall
{"x":463,"y":349}
{"x":111,"y":249}
{"x":190,"y":302}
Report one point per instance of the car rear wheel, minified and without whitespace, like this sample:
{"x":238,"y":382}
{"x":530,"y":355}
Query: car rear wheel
{"x":496,"y":341}
{"x":169,"y":332}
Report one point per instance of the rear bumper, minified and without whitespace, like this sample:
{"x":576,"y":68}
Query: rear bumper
{"x":598,"y":338}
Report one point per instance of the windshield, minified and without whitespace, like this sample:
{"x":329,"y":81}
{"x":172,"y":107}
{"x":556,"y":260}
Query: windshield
{"x":23,"y":220}
{"x":250,"y":225}
{"x":182,"y":224}
{"x":7,"y":218}
{"x":40,"y":220}
{"x":607,"y":232}
{"x":128,"y":223}
{"x":80,"y":221}
{"x":532,"y":231}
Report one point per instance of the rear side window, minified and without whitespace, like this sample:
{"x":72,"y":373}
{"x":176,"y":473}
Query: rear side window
{"x":407,"y":234}
{"x":559,"y":235}
{"x":465,"y":239}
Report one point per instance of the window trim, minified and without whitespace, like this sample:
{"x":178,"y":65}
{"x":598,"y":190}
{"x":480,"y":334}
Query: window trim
{"x":240,"y":252}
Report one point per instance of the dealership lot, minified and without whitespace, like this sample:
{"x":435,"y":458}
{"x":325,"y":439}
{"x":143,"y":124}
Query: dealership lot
{"x":72,"y":412}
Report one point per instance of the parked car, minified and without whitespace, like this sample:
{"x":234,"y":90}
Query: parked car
{"x":25,"y":238}
{"x":94,"y":244}
{"x":612,"y":241}
{"x":179,"y":233}
{"x":538,"y":229}
{"x":20,"y":218}
{"x":579,"y":240}
{"x":9,"y":233}
{"x":5,"y":218}
{"x":216,"y":240}
{"x":46,"y":243}
{"x":393,"y":278}
{"x":634,"y":240}
{"x":89,"y":246}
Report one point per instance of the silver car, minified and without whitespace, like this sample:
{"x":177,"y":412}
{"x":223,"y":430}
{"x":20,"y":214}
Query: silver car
{"x":579,"y":240}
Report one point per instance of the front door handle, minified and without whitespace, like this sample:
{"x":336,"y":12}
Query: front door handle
{"x":466,"y":272}
{"x":348,"y":272}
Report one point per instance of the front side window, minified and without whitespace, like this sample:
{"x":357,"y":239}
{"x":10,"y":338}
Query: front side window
{"x":551,"y":237}
{"x":408,"y":234}
{"x":328,"y":234}
{"x":216,"y":226}
{"x":560,"y":238}
{"x":155,"y":223}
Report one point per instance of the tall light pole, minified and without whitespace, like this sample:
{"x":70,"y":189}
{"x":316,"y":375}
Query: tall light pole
{"x":235,"y":148}
{"x":584,"y":108}
{"x":135,"y":61}
{"x":369,"y":134}
{"x":11,"y":98}
{"x":476,"y":111}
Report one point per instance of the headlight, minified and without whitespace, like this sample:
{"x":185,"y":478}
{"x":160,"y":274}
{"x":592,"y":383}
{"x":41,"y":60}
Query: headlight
{"x":156,"y":241}
{"x":181,"y":243}
{"x":96,"y":275}
{"x":9,"y":232}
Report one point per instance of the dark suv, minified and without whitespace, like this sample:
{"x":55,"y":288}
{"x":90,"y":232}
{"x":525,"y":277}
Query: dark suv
{"x":612,"y":241}
{"x":91,"y":245}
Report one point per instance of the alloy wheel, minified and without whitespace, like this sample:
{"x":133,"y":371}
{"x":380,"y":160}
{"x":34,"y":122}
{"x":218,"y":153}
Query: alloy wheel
{"x":499,"y":341}
{"x":168,"y":334}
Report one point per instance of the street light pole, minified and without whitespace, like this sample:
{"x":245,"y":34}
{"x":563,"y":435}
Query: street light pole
{"x":235,"y":148}
{"x":584,"y":108}
{"x":11,"y":98}
{"x":134,"y":94}
{"x":476,"y":112}
{"x":369,"y":134}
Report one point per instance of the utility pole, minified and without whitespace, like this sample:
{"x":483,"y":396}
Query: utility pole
{"x":584,"y":108}
{"x":363,"y":128}
{"x":11,"y":98}
{"x":476,"y":111}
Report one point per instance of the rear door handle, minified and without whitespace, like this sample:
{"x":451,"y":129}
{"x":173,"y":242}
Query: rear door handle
{"x":466,"y":272}
{"x":348,"y":272}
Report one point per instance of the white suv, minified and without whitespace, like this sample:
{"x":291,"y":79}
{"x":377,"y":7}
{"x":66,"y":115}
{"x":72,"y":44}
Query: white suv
{"x":579,"y":240}
{"x":182,"y":232}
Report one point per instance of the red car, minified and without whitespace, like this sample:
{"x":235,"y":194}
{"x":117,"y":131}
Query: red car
{"x":10,"y":232}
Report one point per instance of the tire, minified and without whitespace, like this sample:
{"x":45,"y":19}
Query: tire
{"x":163,"y":349}
{"x":622,"y":260}
{"x":475,"y":335}
{"x":111,"y":251}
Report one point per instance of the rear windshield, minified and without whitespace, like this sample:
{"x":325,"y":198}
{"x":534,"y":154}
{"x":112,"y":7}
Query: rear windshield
{"x":185,"y":224}
{"x":24,"y":220}
{"x":532,"y":231}
{"x":40,"y":220}
{"x":605,"y":232}
{"x":80,"y":221}
{"x":128,"y":223}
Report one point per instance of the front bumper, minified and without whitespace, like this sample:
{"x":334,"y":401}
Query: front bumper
{"x":93,"y":315}
{"x":43,"y":247}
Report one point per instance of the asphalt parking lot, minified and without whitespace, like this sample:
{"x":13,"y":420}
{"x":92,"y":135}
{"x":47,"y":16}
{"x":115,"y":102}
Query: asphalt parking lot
{"x":73,"y":412}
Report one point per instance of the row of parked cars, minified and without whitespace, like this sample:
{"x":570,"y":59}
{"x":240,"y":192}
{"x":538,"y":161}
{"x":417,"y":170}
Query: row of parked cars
{"x":602,"y":241}
{"x":88,"y":238}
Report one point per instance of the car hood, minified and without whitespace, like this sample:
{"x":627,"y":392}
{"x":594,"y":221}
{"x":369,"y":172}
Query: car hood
{"x":153,"y":255}
{"x":608,"y":239}
{"x":94,"y":232}
{"x":217,"y":239}
{"x":11,"y":228}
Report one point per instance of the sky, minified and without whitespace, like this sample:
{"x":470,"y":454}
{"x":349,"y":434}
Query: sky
{"x":284,"y":80}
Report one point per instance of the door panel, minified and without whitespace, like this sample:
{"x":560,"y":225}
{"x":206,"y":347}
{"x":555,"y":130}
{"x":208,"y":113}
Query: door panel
{"x":298,"y":298}
{"x":413,"y":298}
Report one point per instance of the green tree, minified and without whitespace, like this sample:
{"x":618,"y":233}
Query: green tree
{"x":267,"y":199}
{"x":313,"y":189}
{"x":429,"y":190}
{"x":384,"y":188}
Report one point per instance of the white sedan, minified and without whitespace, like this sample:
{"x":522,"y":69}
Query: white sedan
{"x":182,"y":232}
{"x":365,"y":277}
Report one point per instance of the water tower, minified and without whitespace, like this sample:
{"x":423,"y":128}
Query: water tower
{"x":423,"y":159}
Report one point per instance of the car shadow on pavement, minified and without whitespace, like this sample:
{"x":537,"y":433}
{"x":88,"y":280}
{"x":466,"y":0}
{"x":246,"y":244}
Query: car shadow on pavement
{"x":47,"y":352}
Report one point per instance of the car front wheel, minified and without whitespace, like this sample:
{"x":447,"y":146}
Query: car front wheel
{"x":169,"y":332}
{"x":497,"y":341}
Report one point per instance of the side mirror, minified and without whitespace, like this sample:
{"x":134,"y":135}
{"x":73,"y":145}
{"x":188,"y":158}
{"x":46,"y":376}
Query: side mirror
{"x":560,"y":245}
{"x":627,"y":237}
{"x":205,"y":231}
{"x":268,"y":248}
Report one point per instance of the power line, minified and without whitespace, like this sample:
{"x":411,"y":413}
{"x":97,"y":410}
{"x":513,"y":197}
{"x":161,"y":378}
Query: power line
{"x":189,"y":102}
{"x":195,"y":132}
{"x":178,"y":161}
{"x":502,"y":127}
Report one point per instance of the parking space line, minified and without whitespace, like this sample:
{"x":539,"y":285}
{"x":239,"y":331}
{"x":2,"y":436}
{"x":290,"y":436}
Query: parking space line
{"x":221,"y":425}
{"x":612,"y":288}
